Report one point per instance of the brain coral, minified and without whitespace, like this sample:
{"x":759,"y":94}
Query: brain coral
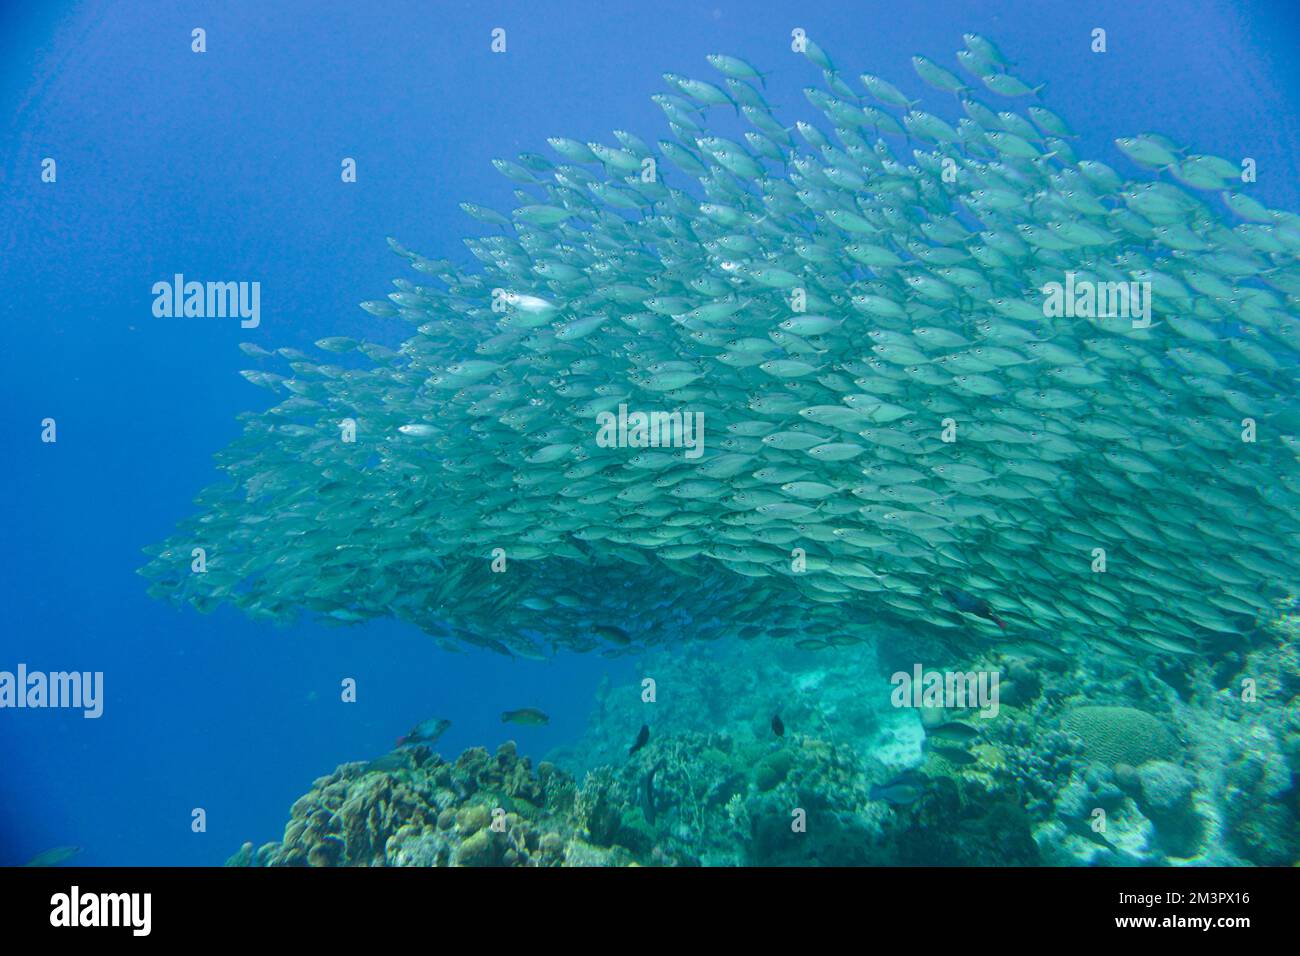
{"x":1114,"y":735}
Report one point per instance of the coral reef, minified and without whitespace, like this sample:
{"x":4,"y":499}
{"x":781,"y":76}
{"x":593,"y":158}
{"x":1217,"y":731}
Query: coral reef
{"x":663,"y":809}
{"x":480,"y":810}
{"x":1085,"y":763}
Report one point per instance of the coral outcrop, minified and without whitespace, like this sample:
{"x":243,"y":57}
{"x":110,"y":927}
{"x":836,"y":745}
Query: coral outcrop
{"x":1125,"y":735}
{"x":1084,"y":763}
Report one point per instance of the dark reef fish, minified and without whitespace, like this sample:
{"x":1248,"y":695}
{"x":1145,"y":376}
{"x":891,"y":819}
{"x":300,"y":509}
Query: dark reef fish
{"x":641,"y":739}
{"x":904,"y":789}
{"x":955,"y":756}
{"x":778,"y":727}
{"x":1081,"y":828}
{"x":953,"y":730}
{"x":528,"y":716}
{"x":425,"y":732}
{"x":970,"y":604}
{"x":648,"y":793}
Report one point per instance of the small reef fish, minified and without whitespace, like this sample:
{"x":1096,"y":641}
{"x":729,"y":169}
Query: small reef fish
{"x":778,"y":726}
{"x":641,"y":739}
{"x":54,"y":856}
{"x":425,"y":732}
{"x":392,"y":762}
{"x":1084,"y":829}
{"x":527,"y":716}
{"x":904,"y":789}
{"x":955,"y":756}
{"x":648,"y":806}
{"x":970,"y":604}
{"x":953,"y":730}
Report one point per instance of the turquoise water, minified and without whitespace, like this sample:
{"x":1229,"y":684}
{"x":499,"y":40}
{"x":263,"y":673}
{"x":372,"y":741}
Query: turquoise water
{"x":226,"y":166}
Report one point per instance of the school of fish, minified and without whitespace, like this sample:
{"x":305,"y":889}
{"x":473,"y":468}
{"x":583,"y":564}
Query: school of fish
{"x":889,"y":413}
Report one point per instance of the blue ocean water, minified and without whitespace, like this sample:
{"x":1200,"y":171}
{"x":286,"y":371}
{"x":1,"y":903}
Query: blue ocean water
{"x":226,"y":165}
